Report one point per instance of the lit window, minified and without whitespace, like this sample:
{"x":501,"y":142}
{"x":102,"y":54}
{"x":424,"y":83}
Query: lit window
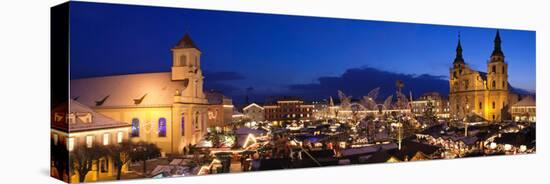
{"x":70,"y":143}
{"x":106,"y":139}
{"x":58,"y":117}
{"x":182,"y":124}
{"x":55,"y":139}
{"x":135,"y":127}
{"x":89,"y":141}
{"x":84,"y":117}
{"x":119,"y":137}
{"x":162,"y":127}
{"x":72,"y":118}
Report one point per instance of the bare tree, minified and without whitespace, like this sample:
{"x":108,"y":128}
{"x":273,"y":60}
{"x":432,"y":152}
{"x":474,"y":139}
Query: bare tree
{"x":121,"y":155}
{"x":144,"y":151}
{"x":82,"y":159}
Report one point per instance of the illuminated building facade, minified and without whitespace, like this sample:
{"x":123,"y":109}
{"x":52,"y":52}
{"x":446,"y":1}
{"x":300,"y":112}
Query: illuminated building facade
{"x":220,"y":109}
{"x":525,"y":110}
{"x":482,"y":93}
{"x":288,"y":111}
{"x":438,"y":104}
{"x":169,"y":109}
{"x":89,"y":128}
{"x":254,"y":112}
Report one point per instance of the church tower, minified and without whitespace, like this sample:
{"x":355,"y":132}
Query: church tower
{"x":456,"y":82}
{"x":458,"y":66}
{"x":497,"y":83}
{"x":190,"y":108}
{"x":186,"y":67}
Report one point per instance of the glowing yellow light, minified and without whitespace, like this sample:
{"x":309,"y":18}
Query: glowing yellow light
{"x":119,"y":137}
{"x":70,"y":143}
{"x":89,"y":141}
{"x":249,"y":138}
{"x":105,"y":139}
{"x":98,"y":131}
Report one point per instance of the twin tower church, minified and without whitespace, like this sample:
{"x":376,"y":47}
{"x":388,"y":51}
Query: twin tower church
{"x":476,"y":93}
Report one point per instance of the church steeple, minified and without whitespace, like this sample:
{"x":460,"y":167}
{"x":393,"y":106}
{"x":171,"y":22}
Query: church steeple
{"x":459,"y":58}
{"x":497,"y":51}
{"x":186,"y":42}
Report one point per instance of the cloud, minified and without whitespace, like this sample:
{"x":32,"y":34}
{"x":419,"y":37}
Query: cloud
{"x":357,"y":82}
{"x":223,"y":81}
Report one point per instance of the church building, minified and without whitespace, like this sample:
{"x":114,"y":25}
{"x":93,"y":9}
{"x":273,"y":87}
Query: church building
{"x":169,"y":109}
{"x":485,"y":94}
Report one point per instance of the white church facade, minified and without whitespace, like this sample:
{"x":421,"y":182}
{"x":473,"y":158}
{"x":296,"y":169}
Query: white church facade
{"x":169,"y":109}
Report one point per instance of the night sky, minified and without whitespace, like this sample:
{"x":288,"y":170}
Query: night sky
{"x":287,"y":55}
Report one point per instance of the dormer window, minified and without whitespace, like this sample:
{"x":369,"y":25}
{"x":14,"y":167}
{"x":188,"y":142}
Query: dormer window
{"x":71,"y":118}
{"x":58,"y":117}
{"x":84,"y":117}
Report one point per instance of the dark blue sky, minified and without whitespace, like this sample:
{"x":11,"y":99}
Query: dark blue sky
{"x":278,"y":54}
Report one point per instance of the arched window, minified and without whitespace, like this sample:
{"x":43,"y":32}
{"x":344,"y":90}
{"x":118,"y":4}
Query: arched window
{"x":183,"y":60}
{"x":135,"y":127}
{"x":182,"y":124}
{"x":480,"y":105}
{"x":196,"y":122}
{"x":494,"y":85}
{"x":162,"y":127}
{"x":493,"y":105}
{"x":503,"y":85}
{"x":494,"y":69}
